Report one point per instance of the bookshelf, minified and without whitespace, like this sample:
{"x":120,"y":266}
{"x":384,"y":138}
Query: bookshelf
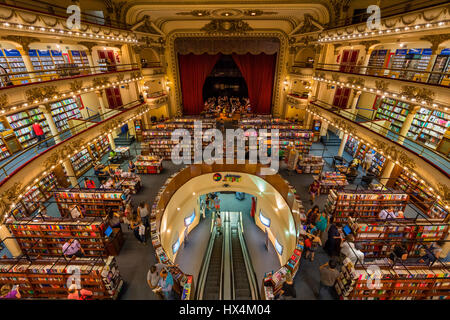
{"x":363,"y":204}
{"x":421,"y":196}
{"x":148,"y":164}
{"x":42,"y":60}
{"x":81,"y":162}
{"x":79,"y":57}
{"x":11,"y":60}
{"x":351,"y":146}
{"x":273,"y":281}
{"x":47,"y":278}
{"x":310,"y":164}
{"x":377,"y":59}
{"x":393,"y":111}
{"x":40,"y":237}
{"x":64,"y":110}
{"x":379,"y":238}
{"x":96,"y":202}
{"x":21,"y":123}
{"x":378,"y":161}
{"x":331,"y":181}
{"x":411,"y":282}
{"x":4,"y":151}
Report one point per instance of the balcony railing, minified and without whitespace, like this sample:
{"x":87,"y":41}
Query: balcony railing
{"x":12,"y":163}
{"x":387,"y":11}
{"x":60,"y":72}
{"x":407,"y":74}
{"x":44,"y":7}
{"x":438,"y":159}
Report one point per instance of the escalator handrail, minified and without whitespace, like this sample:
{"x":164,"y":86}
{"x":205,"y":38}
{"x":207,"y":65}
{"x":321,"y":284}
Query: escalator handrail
{"x":251,"y":275}
{"x":205,"y":265}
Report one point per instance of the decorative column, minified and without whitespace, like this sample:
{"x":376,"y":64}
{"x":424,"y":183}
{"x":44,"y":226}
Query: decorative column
{"x":102,"y":108}
{"x":355,"y":101}
{"x":10,"y":243}
{"x":324,"y":128}
{"x":67,"y":164}
{"x":111,"y":141}
{"x":342,"y":145}
{"x":407,"y":123}
{"x":386,"y":174}
{"x":25,"y":43}
{"x":46,"y":111}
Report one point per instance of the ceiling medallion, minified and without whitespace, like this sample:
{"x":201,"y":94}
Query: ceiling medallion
{"x":227,"y":26}
{"x":256,"y":13}
{"x":226,"y":13}
{"x":195,"y":13}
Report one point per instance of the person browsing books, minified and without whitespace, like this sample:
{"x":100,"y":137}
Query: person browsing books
{"x":10,"y":292}
{"x":77,"y":294}
{"x":368,"y":158}
{"x":352,"y":251}
{"x":165,"y":284}
{"x":387,"y":213}
{"x":288,"y":291}
{"x":89,"y":183}
{"x":328,"y":276}
{"x":75,"y":212}
{"x":72,"y":249}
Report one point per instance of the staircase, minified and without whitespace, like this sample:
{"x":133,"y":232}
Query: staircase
{"x":123,"y":140}
{"x":330,"y":140}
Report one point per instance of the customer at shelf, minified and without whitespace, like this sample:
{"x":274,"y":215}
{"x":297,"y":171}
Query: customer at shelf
{"x":131,"y":167}
{"x":328,"y":276}
{"x":72,"y":249}
{"x":429,"y":254}
{"x":288,"y":291}
{"x":165,"y":284}
{"x":321,"y":224}
{"x":75,"y":212}
{"x":77,"y":294}
{"x":352,"y":251}
{"x":10,"y":292}
{"x":387,"y":213}
{"x":113,"y":219}
{"x":399,"y":252}
{"x":312,"y":215}
{"x":143,"y":211}
{"x":314,"y":190}
{"x":39,"y":133}
{"x":333,"y":243}
{"x":89,"y":183}
{"x":312,"y":242}
{"x":368,"y":158}
{"x":153,"y":276}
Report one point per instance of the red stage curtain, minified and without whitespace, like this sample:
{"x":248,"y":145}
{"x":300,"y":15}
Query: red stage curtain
{"x":193,"y":72}
{"x":258,"y":72}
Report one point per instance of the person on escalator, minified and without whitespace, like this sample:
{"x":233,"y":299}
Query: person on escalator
{"x":219,"y":224}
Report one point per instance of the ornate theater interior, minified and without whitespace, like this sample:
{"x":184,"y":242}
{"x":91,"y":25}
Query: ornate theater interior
{"x":343,"y":104}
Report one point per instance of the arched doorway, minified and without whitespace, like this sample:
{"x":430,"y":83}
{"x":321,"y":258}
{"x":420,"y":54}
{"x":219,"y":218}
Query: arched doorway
{"x":225,"y":80}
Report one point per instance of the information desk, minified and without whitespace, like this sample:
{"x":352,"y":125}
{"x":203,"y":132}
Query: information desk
{"x":114,"y":242}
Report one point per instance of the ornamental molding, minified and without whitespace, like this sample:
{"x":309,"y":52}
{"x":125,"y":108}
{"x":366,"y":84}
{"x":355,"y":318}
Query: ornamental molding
{"x":63,"y":153}
{"x":233,"y":26}
{"x":369,"y":43}
{"x":344,"y":125}
{"x":195,"y":13}
{"x":381,"y":85}
{"x":76,"y":85}
{"x":88,"y":45}
{"x":436,"y":40}
{"x":23,"y":41}
{"x":418,"y":93}
{"x":40,"y":93}
{"x":120,"y":77}
{"x":445,"y":192}
{"x":173,"y":63}
{"x":100,"y":81}
{"x":9,"y":197}
{"x":357,"y":81}
{"x":4,"y":100}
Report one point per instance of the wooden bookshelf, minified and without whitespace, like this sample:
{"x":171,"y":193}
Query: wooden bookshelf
{"x":47,"y":278}
{"x":379,"y":238}
{"x":81,"y":162}
{"x":363,"y":204}
{"x":96,"y":202}
{"x":148,"y":164}
{"x":421,"y":196}
{"x":411,"y":282}
{"x":64,"y":110}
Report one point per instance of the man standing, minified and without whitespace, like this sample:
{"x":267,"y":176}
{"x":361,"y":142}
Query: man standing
{"x":368,"y":160}
{"x":165,"y":284}
{"x":39,"y":133}
{"x":328,"y":276}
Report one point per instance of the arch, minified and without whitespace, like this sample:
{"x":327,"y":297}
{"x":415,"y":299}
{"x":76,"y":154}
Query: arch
{"x":150,"y":55}
{"x":303,"y":55}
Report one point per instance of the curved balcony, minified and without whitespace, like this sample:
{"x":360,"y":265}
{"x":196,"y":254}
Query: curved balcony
{"x":28,"y":163}
{"x":408,"y":153}
{"x":429,"y":78}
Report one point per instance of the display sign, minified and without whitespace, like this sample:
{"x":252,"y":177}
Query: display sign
{"x":264,"y":220}
{"x":188,"y":220}
{"x":278,"y":247}
{"x":228,"y":178}
{"x":176,"y":246}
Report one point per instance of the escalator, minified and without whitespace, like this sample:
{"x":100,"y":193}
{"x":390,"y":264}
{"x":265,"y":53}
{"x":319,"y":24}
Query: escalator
{"x":213,"y":278}
{"x":227,"y":272}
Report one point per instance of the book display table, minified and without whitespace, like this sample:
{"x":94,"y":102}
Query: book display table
{"x":148,"y":164}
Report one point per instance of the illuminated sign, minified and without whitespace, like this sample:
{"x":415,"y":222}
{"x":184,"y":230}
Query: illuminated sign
{"x":176,"y":246}
{"x":188,"y":220}
{"x":278,"y":247}
{"x":232,"y":178}
{"x":264,"y":220}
